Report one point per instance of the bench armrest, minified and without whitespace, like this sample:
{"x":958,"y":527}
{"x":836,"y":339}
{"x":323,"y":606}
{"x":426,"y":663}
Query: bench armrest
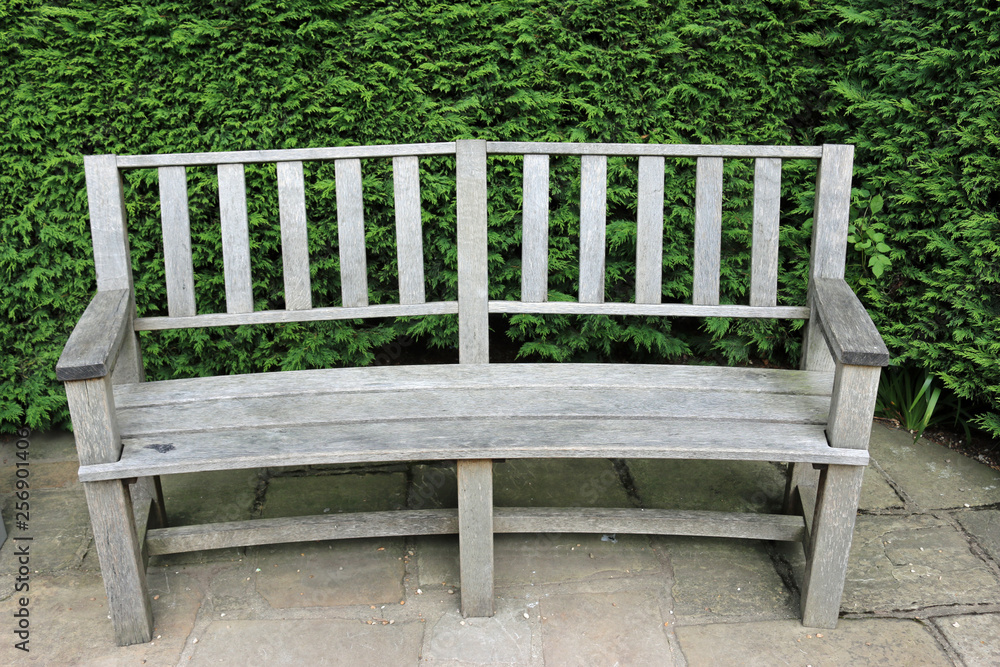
{"x":93,"y":346}
{"x":850,"y":333}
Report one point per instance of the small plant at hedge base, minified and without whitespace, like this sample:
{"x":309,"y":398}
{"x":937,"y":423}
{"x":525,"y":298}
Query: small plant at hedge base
{"x":911,"y":398}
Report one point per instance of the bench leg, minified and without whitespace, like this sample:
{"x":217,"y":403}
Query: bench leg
{"x":475,"y":535}
{"x":800,"y":474}
{"x":118,"y":551}
{"x":830,"y":544}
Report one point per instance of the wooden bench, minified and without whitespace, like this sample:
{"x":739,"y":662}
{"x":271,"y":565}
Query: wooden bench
{"x":129,"y":432}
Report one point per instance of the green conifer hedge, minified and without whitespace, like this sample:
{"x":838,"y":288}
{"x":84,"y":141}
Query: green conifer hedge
{"x":915,"y":84}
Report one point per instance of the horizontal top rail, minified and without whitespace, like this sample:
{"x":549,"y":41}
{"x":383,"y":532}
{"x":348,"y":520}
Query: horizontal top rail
{"x":666,"y":150}
{"x":283,"y":155}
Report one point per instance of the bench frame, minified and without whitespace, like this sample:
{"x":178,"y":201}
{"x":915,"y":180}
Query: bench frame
{"x":103,"y":352}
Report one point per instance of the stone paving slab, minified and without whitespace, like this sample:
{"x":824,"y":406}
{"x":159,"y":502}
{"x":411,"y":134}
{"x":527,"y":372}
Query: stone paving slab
{"x":59,"y":525}
{"x":317,"y":642}
{"x":933,"y":476}
{"x":558,"y":483}
{"x":624,"y":628}
{"x":912,"y":562}
{"x":984,"y":526}
{"x":209,"y":497}
{"x":432,"y":487}
{"x":504,"y":639}
{"x":330,"y":574}
{"x":728,"y":486}
{"x":725,"y":580}
{"x":877,"y":493}
{"x":324,"y":494}
{"x":975,"y":638}
{"x":881,"y":642}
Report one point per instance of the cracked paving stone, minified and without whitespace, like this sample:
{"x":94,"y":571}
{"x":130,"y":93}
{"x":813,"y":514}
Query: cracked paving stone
{"x":975,"y":638}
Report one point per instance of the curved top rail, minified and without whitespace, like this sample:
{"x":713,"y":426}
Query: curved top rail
{"x":283,"y":155}
{"x":666,"y":150}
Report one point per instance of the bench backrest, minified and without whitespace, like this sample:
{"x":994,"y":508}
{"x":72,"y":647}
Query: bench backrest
{"x":107,"y":211}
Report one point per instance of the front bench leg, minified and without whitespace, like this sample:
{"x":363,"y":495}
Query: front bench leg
{"x":475,"y":535}
{"x":830,"y":544}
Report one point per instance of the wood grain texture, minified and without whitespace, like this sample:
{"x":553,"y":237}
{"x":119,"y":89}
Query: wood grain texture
{"x":473,"y":316}
{"x":649,"y":231}
{"x":235,"y":238}
{"x":593,"y":212}
{"x":852,"y":405}
{"x":849,"y":331}
{"x":409,"y":235}
{"x":118,"y":551}
{"x":283,"y":155}
{"x":648,"y":522}
{"x":176,"y":242}
{"x":707,"y":231}
{"x":635,"y":150}
{"x":105,"y":199}
{"x":294,"y":236}
{"x":662,"y":309}
{"x":829,"y":545}
{"x":833,"y":202}
{"x":535,"y":235}
{"x":351,"y":233}
{"x":352,"y":525}
{"x":95,"y":422}
{"x":93,"y":346}
{"x":128,"y":367}
{"x":475,"y":535}
{"x":816,"y":355}
{"x":311,"y":315}
{"x":764,"y":247}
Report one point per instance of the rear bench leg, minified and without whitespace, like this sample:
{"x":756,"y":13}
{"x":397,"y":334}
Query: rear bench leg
{"x":121,"y":562}
{"x":475,"y":535}
{"x":830,"y":544}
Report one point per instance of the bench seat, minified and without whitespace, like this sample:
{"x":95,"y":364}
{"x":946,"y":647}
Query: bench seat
{"x":444,"y":412}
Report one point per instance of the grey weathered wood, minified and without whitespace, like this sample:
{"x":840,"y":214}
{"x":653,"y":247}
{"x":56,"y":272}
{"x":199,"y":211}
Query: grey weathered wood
{"x":118,"y":551}
{"x":830,"y":544}
{"x":473,"y":325}
{"x":105,"y":198}
{"x":95,"y":424}
{"x":475,"y":535}
{"x":294,"y":236}
{"x":235,"y":238}
{"x":830,"y":217}
{"x":855,"y":389}
{"x":351,"y":234}
{"x":648,"y":522}
{"x":850,"y":332}
{"x":707,"y":231}
{"x":807,"y":501}
{"x":93,"y":347}
{"x":663,"y":309}
{"x":128,"y":367}
{"x":285,"y":155}
{"x":764,"y":248}
{"x":311,"y":315}
{"x":489,"y":437}
{"x":593,"y":211}
{"x":535,"y":234}
{"x":176,"y":241}
{"x":604,"y":377}
{"x":815,"y":352}
{"x":649,"y":232}
{"x":667,"y":150}
{"x":409,"y":236}
{"x":397,"y":523}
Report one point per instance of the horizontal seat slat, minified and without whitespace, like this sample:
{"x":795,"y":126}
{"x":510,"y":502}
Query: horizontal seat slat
{"x":442,"y":439}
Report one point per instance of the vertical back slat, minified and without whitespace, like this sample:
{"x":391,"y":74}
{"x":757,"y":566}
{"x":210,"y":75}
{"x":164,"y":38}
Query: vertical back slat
{"x":235,"y":238}
{"x":473,"y":307}
{"x":105,"y":199}
{"x":535,"y":233}
{"x":294,"y":237}
{"x":593,"y":205}
{"x":707,"y":231}
{"x":833,"y":203}
{"x":409,"y":238}
{"x":764,"y":251}
{"x":176,"y":241}
{"x":649,"y":231}
{"x":351,"y":233}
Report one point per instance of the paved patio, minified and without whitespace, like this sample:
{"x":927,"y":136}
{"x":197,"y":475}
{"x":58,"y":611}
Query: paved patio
{"x":923,"y":583}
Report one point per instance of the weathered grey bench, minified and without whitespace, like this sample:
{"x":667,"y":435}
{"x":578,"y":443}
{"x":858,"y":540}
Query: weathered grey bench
{"x":129,"y":432}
